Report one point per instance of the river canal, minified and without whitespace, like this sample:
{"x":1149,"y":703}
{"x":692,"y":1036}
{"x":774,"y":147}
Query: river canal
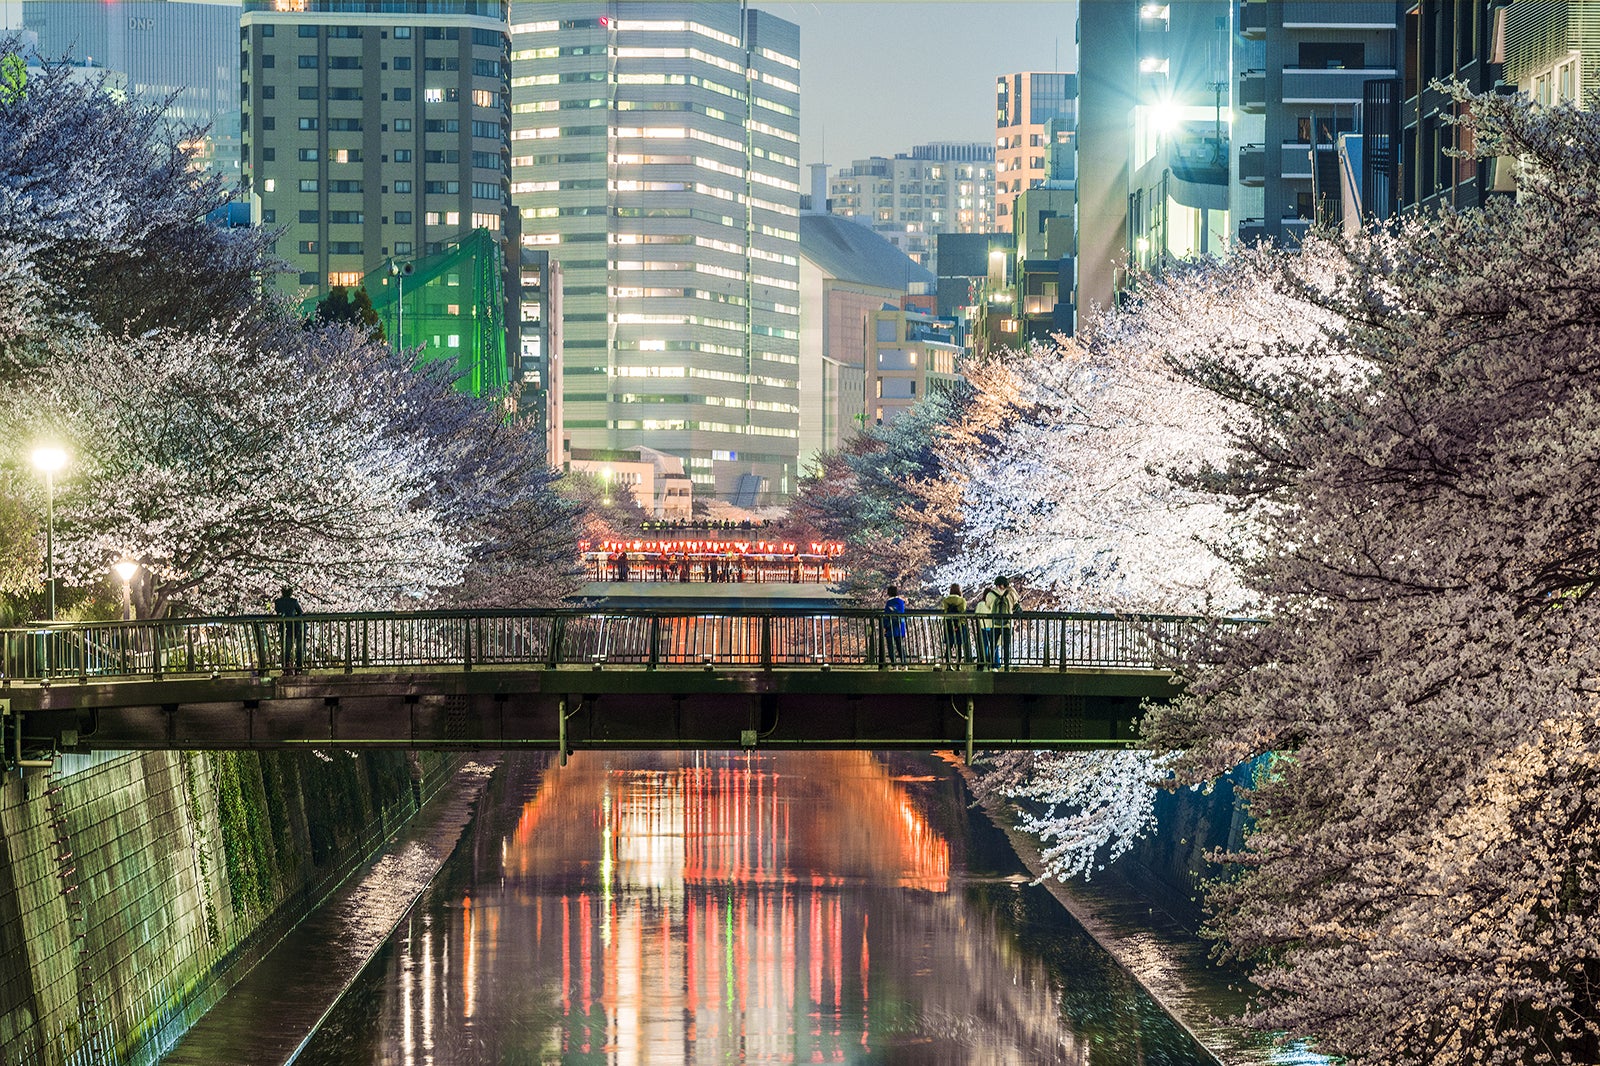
{"x":664,"y":908}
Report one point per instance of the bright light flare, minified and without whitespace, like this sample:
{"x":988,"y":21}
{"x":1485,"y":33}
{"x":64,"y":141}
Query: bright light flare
{"x":47,"y":458}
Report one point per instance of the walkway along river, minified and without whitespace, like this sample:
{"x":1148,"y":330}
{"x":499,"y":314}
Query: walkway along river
{"x":740,"y":907}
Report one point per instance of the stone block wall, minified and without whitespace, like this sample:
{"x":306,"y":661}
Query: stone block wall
{"x":132,"y":887}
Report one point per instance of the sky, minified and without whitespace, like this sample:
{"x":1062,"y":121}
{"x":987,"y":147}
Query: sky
{"x":877,"y":78}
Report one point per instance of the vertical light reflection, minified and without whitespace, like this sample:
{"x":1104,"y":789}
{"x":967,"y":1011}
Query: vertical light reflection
{"x":408,"y":1036}
{"x":469,"y":963}
{"x":702,"y":921}
{"x":427,"y":991}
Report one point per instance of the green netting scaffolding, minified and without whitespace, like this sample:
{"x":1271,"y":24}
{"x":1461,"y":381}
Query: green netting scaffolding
{"x":451,"y":306}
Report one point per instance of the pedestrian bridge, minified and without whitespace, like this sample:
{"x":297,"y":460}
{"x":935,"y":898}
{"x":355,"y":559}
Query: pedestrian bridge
{"x":638,"y":678}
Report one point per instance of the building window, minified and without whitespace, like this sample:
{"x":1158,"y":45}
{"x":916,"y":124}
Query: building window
{"x":485,"y":98}
{"x":308,"y":247}
{"x":307,"y":92}
{"x":308,"y":123}
{"x":344,"y":62}
{"x":402,"y":33}
{"x":269,"y":92}
{"x":402,"y":218}
{"x":308,"y":31}
{"x":346,"y":278}
{"x":402,"y":125}
{"x":402,"y":247}
{"x":269,"y":61}
{"x":311,"y":216}
{"x":269,"y":123}
{"x":402,"y":186}
{"x":308,"y":155}
{"x":269,"y":155}
{"x":308,"y":62}
{"x":402,"y":155}
{"x":402,"y":63}
{"x":308,"y":184}
{"x":402,"y":94}
{"x":269,"y":216}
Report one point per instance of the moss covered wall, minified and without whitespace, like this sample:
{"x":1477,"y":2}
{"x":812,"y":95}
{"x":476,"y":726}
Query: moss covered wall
{"x":132,"y":887}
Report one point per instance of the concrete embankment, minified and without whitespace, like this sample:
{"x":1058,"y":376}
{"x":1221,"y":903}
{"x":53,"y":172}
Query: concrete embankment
{"x":135,"y":889}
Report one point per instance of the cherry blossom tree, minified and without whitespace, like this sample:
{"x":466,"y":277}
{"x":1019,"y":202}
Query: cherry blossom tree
{"x":104,"y":222}
{"x":1422,"y":479}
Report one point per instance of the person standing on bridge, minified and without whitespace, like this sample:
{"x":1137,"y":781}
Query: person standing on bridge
{"x":957,"y":642}
{"x":999,"y":602}
{"x":894,"y":629}
{"x":294,"y":633}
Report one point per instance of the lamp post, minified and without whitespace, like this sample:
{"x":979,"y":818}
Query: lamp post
{"x":48,"y":459}
{"x":401,"y":271}
{"x":125,"y":570}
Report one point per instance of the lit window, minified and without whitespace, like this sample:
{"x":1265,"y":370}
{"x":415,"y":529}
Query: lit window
{"x":433,"y":96}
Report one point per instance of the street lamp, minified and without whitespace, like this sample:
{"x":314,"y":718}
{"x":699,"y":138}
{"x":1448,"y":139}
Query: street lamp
{"x":605,"y":483}
{"x":401,"y":271}
{"x":48,"y":459}
{"x":125,"y":570}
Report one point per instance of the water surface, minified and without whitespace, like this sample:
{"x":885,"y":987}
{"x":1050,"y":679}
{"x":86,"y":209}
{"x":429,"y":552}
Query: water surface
{"x":663,"y":908}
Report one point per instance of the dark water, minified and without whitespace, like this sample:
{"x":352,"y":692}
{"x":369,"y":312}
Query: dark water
{"x":740,"y":908}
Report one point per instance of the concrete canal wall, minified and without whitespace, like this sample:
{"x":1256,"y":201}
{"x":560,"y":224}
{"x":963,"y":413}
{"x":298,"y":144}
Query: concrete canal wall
{"x":135,"y":888}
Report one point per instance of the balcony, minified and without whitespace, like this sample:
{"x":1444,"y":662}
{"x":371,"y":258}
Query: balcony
{"x":1252,"y":164}
{"x":1339,"y":14}
{"x":1336,"y":85}
{"x":1253,"y":91}
{"x":1252,"y":230}
{"x":1253,"y":19}
{"x":1296,"y":160}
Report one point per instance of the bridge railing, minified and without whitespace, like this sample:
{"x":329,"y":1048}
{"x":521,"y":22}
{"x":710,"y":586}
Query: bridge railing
{"x":647,"y":638}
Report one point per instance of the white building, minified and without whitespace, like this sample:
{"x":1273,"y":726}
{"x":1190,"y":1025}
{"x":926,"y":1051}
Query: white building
{"x":945,"y":187}
{"x":655,"y":155}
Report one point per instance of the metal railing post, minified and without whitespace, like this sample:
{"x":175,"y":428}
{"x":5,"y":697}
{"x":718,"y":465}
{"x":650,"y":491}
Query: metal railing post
{"x":655,"y":643}
{"x":766,"y":642}
{"x":466,"y":641}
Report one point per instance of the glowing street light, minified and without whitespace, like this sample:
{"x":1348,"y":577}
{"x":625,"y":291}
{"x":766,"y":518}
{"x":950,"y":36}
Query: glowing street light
{"x":48,"y":460}
{"x":125,"y":570}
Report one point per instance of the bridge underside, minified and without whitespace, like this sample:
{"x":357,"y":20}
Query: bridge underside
{"x":566,"y":708}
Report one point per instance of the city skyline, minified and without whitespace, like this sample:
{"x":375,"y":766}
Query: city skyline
{"x":917,"y":94}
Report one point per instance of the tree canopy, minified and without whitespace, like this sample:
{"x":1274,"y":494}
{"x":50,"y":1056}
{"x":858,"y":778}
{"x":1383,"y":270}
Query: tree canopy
{"x":212,"y":439}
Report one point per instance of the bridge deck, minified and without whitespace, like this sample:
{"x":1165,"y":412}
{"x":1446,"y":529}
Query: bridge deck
{"x":566,"y":679}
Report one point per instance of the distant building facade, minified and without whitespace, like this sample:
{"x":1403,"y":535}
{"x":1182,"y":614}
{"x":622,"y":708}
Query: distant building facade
{"x":654,"y":479}
{"x":944,"y":187}
{"x":1024,"y":103}
{"x":188,"y":51}
{"x":848,"y":274}
{"x":537,"y":342}
{"x":655,"y":157}
{"x":909,"y":355}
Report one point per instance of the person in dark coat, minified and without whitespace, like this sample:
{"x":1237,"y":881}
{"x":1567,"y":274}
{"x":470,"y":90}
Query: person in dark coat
{"x":294,"y":633}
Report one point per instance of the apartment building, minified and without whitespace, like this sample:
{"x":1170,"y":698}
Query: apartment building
{"x":1304,"y":68}
{"x":373,"y":132}
{"x":655,"y":157}
{"x":1024,"y":103}
{"x":909,"y":354}
{"x":911,"y":198}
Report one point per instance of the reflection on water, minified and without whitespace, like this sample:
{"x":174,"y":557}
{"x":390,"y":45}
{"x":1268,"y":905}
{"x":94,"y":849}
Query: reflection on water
{"x":727,"y":908}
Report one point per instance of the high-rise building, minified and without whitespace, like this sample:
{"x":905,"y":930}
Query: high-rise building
{"x":187,"y":51}
{"x":1024,"y":102}
{"x":374,"y":132}
{"x":945,"y":187}
{"x":655,"y":156}
{"x":537,"y":343}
